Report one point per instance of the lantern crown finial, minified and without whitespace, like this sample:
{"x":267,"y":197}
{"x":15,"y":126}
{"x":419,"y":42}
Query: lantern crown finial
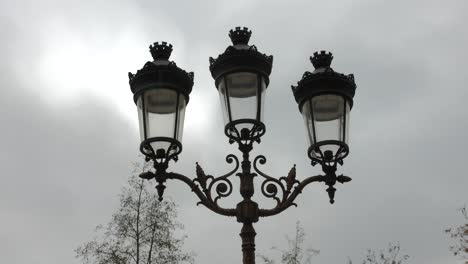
{"x":161,"y":51}
{"x":241,"y":35}
{"x":322,"y":59}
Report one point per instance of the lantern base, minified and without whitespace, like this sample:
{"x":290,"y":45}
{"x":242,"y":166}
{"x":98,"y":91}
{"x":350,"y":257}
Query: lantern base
{"x":320,"y":152}
{"x":244,"y":131}
{"x":169,"y":150}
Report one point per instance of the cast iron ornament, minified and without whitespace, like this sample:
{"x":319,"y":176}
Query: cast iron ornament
{"x":161,"y":73}
{"x":240,"y":57}
{"x":211,"y":189}
{"x":324,"y":80}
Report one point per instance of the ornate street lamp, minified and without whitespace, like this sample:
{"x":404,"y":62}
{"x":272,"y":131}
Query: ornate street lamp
{"x":161,"y":92}
{"x":325,"y":98}
{"x":241,"y":76}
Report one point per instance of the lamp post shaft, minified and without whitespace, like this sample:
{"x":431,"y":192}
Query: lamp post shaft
{"x":247,"y":210}
{"x":246,"y":178}
{"x":248,"y":243}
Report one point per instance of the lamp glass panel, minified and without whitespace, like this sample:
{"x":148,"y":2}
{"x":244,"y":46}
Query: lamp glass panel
{"x":240,"y":94}
{"x":141,"y":117}
{"x":181,"y":118}
{"x":308,"y":121}
{"x":326,"y":118}
{"x":157,"y":109}
{"x":224,"y":101}
{"x":262,"y":99}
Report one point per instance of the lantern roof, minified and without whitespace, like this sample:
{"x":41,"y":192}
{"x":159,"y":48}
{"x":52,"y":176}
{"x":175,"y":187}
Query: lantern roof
{"x":161,"y":73}
{"x":323,"y":80}
{"x":240,"y":56}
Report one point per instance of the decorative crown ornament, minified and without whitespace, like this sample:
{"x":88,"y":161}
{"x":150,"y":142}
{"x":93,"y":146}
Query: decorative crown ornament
{"x":240,"y":35}
{"x":322,"y":59}
{"x":161,"y":51}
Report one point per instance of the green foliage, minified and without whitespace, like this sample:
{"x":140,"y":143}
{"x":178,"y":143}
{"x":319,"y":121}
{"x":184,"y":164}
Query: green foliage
{"x":141,"y":231}
{"x":295,"y":254}
{"x":460,"y":235}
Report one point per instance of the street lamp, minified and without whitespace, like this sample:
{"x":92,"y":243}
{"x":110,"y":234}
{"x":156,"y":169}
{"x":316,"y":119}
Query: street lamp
{"x":325,"y":98}
{"x":161,"y":92}
{"x":241,"y":76}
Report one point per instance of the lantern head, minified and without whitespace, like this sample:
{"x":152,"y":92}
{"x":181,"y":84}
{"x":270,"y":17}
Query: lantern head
{"x":325,"y":98}
{"x":161,"y":92}
{"x":241,"y":76}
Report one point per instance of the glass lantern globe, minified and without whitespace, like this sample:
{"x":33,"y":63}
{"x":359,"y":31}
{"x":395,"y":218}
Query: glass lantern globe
{"x":325,"y":99}
{"x":161,"y":92}
{"x":241,"y":76}
{"x":161,"y":114}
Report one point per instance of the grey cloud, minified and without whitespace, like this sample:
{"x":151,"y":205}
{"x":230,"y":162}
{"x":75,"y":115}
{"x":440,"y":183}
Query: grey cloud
{"x":62,"y":165}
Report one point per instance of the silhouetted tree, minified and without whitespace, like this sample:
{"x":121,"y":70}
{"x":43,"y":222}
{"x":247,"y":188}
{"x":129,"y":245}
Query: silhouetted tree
{"x":389,"y":256}
{"x":295,"y":254}
{"x":141,"y":231}
{"x":460,"y":235}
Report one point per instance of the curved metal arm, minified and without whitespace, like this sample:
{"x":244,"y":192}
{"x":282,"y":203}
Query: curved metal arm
{"x":202,"y":185}
{"x":204,"y":199}
{"x":289,"y":201}
{"x":270,"y":186}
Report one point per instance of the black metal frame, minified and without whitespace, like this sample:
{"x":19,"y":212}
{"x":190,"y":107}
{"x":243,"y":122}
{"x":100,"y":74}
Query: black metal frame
{"x":246,"y":136}
{"x":327,"y":156}
{"x":148,"y":151}
{"x":210,"y":189}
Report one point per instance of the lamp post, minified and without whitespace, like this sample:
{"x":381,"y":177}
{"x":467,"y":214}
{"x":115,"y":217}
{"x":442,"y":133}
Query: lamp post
{"x":161,"y":92}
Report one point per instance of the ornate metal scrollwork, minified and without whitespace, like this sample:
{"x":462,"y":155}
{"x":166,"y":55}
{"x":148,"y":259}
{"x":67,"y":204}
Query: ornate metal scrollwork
{"x":244,"y":136}
{"x":290,"y":187}
{"x":283,"y":190}
{"x":202,"y":185}
{"x":222,"y":185}
{"x":270,"y":185}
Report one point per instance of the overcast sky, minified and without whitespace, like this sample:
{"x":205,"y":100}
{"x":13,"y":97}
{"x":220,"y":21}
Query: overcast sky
{"x":69,"y":125}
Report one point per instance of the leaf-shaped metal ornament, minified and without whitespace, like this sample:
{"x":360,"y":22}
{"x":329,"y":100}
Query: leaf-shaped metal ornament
{"x":201,"y":176}
{"x":291,"y":179}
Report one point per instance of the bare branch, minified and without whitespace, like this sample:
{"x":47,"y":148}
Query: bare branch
{"x":296,"y":253}
{"x":460,"y":235}
{"x":140,"y":231}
